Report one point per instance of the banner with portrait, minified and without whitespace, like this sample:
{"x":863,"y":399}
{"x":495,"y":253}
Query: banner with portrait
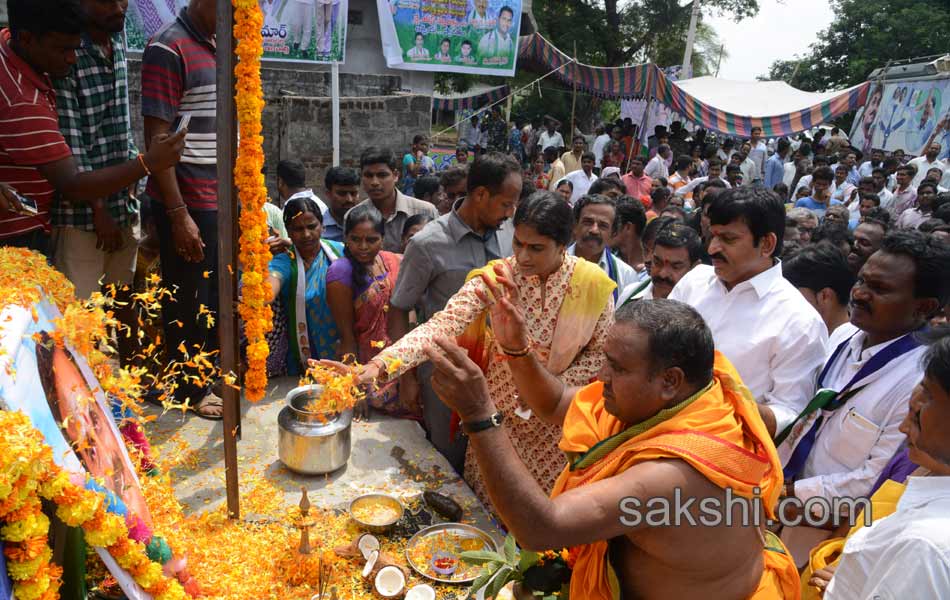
{"x":456,"y":36}
{"x":907,"y":115}
{"x":312,"y":31}
{"x":54,"y":386}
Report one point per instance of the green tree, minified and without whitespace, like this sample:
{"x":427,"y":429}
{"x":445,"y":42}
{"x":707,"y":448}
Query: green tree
{"x":865,"y":35}
{"x":619,"y":32}
{"x":707,"y":50}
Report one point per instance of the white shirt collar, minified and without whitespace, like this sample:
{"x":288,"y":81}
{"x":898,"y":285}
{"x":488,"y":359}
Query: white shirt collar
{"x":762,"y":282}
{"x":924,"y":490}
{"x":861,"y":354}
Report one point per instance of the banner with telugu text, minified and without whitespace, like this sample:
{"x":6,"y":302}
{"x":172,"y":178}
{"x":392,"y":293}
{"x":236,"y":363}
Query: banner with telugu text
{"x":455,"y":36}
{"x":311,"y":31}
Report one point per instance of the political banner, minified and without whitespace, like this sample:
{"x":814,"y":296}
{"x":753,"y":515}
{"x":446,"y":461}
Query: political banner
{"x":451,"y":36}
{"x":311,"y":31}
{"x":905,"y":115}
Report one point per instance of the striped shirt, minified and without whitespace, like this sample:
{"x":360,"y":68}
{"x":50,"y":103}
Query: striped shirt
{"x":93,"y":105}
{"x":29,"y":137}
{"x":178,"y":78}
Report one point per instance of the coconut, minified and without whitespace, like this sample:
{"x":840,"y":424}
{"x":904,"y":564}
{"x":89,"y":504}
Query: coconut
{"x":367,"y":544}
{"x":370,"y":563}
{"x":390,"y":582}
{"x":421,"y":592}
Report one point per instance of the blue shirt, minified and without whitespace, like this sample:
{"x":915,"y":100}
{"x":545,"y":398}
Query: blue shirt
{"x":814,"y":206}
{"x":332,"y":230}
{"x":774,"y":170}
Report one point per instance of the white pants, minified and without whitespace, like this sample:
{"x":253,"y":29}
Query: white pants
{"x":303,"y":25}
{"x":75,"y":255}
{"x":324,"y":27}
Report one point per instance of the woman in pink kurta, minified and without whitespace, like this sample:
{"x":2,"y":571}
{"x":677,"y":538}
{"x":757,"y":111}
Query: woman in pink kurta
{"x":567,"y":304}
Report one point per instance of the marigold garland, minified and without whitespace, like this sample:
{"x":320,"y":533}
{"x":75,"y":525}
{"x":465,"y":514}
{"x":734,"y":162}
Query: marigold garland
{"x":28,"y":461}
{"x":254,"y":254}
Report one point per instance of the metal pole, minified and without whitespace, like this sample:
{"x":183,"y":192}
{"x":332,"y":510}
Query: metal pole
{"x":687,"y":70}
{"x":227,"y":260}
{"x":574,"y":98}
{"x":335,"y":110}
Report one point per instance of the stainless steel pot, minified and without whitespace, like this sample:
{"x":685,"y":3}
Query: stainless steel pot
{"x":312,"y":443}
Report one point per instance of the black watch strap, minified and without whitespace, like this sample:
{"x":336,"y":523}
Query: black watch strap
{"x":493,"y":421}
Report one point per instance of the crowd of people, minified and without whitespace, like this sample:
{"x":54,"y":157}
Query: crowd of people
{"x":689,"y":316}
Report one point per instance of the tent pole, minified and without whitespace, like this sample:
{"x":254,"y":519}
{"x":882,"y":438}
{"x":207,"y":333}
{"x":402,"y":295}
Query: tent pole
{"x":227,"y":261}
{"x":574,"y":96}
{"x":687,"y":69}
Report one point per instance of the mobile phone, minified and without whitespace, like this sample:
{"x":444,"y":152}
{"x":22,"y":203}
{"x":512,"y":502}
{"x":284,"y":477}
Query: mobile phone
{"x":183,"y":124}
{"x":29,"y":204}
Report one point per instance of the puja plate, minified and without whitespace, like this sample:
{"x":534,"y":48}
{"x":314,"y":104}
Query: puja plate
{"x":447,"y":537}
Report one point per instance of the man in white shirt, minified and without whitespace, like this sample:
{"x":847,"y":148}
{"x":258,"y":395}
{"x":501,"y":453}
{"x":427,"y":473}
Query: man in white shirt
{"x":867,"y":167}
{"x":839,"y":445}
{"x":657,"y":167}
{"x":824,"y":278}
{"x":759,"y":321}
{"x":880,"y":188}
{"x":551,"y":137}
{"x":745,"y":164}
{"x":677,"y":249}
{"x":907,"y":554}
{"x":600,"y":142}
{"x":927,"y":161}
{"x":595,"y":222}
{"x":715,"y":172}
{"x":583,"y":178}
{"x":758,"y":153}
{"x":472,"y":136}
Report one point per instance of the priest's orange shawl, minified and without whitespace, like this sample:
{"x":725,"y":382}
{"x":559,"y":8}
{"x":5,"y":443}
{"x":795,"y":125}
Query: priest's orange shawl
{"x":718,"y":432}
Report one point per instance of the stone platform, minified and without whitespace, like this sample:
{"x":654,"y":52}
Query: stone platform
{"x":390,"y":455}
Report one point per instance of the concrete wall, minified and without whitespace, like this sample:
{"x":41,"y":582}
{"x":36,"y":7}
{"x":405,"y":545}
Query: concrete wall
{"x":372,"y":112}
{"x":299,"y":128}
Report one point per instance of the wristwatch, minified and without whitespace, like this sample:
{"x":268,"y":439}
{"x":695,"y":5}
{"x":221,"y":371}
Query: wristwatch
{"x":493,"y":421}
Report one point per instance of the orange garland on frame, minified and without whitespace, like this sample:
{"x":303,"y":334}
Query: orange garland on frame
{"x":29,"y":473}
{"x":254,"y":254}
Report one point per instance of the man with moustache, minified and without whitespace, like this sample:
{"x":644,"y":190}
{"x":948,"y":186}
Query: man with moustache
{"x":476,"y":231}
{"x":759,"y":320}
{"x":868,"y":237}
{"x":677,"y":249}
{"x":838,"y":446}
{"x":595,"y":222}
{"x":906,"y":554}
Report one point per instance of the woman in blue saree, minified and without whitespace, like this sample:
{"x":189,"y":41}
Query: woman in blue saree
{"x":299,"y":276}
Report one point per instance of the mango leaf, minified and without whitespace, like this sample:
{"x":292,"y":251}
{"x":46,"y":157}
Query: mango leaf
{"x":510,"y":550}
{"x":481,"y":557}
{"x":528,"y":559}
{"x":498,"y":582}
{"x":480,"y":582}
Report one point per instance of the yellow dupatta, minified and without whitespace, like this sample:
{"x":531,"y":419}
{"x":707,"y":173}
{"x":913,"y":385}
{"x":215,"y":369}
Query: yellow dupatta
{"x":585,"y":301}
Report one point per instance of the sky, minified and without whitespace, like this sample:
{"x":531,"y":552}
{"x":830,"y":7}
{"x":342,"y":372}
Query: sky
{"x":782,"y":29}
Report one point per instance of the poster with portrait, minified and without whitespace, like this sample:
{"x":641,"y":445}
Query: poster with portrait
{"x":57,"y":390}
{"x":312,"y":31}
{"x":905,"y":115}
{"x":458,"y":36}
